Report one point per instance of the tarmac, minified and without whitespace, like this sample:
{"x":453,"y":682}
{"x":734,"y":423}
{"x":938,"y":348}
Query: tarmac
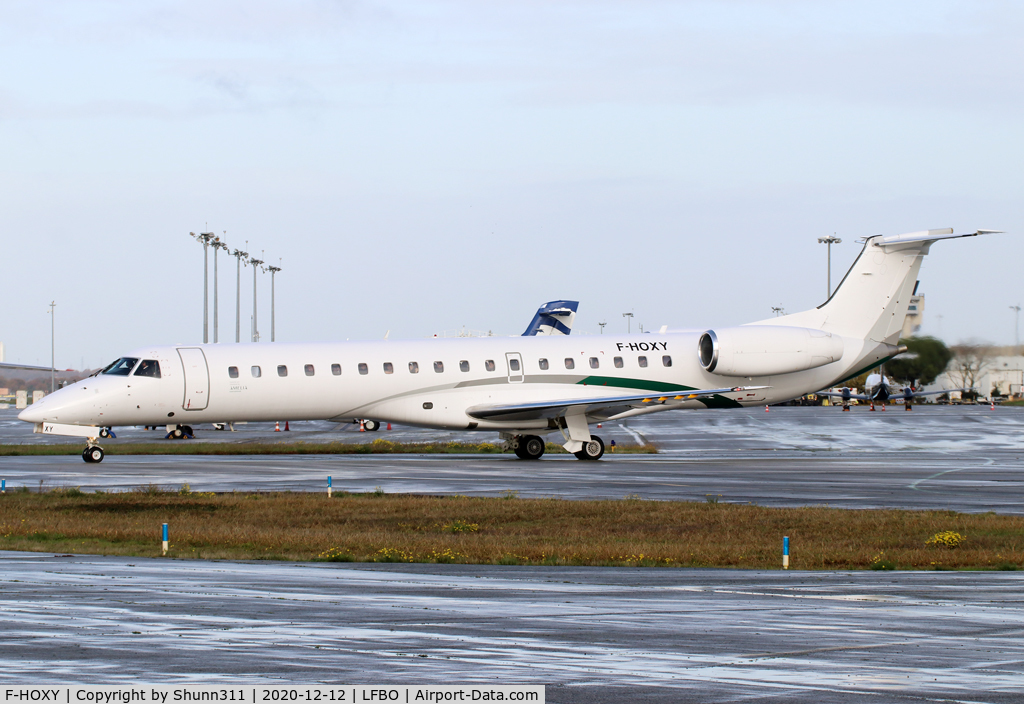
{"x":963,"y":458}
{"x":590,"y":634}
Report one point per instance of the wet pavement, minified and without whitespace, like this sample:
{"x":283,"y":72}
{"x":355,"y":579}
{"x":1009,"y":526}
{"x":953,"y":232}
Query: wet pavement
{"x":966,"y":458}
{"x":590,"y":634}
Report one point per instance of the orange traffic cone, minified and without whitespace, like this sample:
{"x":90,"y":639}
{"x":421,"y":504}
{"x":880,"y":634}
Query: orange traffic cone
{"x":598,"y":425}
{"x":389,"y":426}
{"x":286,"y":426}
{"x":766,"y":409}
{"x":362,"y":426}
{"x":277,"y":427}
{"x":993,"y":406}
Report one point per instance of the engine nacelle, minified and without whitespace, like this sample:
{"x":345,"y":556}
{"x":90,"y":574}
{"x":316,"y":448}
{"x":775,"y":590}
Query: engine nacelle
{"x":764,"y":350}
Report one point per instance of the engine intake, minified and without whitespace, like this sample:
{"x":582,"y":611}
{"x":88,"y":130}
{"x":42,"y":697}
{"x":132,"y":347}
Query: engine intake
{"x":764,"y":350}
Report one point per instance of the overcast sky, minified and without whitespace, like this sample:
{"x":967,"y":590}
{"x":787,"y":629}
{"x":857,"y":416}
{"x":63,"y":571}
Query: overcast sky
{"x":422,"y":166}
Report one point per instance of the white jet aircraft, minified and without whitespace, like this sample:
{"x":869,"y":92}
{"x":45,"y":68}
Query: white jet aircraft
{"x":522,"y":387}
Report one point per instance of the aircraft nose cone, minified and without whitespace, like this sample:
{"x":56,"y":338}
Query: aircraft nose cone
{"x":33,"y":414}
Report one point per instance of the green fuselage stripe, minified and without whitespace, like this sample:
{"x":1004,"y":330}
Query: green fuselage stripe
{"x":715,"y":401}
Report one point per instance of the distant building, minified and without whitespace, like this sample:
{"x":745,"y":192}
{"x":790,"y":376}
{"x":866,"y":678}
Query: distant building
{"x":915,"y":315}
{"x":1001,"y":371}
{"x":2,"y":359}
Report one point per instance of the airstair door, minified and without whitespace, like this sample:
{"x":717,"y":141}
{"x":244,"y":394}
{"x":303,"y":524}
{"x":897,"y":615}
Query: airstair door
{"x":197,"y":378}
{"x":515,"y":367}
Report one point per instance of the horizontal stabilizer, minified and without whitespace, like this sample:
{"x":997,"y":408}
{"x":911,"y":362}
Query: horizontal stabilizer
{"x":931,"y":236}
{"x":559,"y":409}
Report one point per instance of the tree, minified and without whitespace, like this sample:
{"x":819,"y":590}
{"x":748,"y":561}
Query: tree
{"x":970,"y":360}
{"x":926,"y":358}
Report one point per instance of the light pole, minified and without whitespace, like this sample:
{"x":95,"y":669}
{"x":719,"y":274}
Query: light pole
{"x":239,"y":255}
{"x":629,"y":321}
{"x":1016,"y":325}
{"x":830,"y":240}
{"x":273,"y":270}
{"x":778,"y":311}
{"x":204,"y":238}
{"x":217,"y":244}
{"x":53,"y":379}
{"x":255,"y":270}
{"x":601,"y":325}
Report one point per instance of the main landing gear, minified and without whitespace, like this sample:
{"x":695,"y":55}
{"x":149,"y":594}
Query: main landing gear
{"x":528,"y":447}
{"x":592,"y":450}
{"x":180,"y":432}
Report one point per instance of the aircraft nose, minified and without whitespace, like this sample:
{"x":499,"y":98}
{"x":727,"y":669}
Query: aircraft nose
{"x":33,"y":414}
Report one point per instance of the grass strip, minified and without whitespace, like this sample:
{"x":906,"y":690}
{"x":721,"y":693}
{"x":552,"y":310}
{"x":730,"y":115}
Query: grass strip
{"x":379,"y":527}
{"x":380,"y":446}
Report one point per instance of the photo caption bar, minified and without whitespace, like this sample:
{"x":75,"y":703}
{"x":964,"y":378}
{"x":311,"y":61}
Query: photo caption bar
{"x":345,"y":694}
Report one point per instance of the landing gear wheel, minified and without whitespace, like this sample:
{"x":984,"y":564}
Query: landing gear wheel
{"x":93,"y":454}
{"x":104,"y":433}
{"x":592,"y":450}
{"x":177,"y":433}
{"x":187,"y":429}
{"x":371,"y":425}
{"x":530,"y":447}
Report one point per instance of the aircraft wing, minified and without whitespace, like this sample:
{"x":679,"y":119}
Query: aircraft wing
{"x":836,"y":394}
{"x":610,"y":405}
{"x":931,"y":393}
{"x":26,"y":367}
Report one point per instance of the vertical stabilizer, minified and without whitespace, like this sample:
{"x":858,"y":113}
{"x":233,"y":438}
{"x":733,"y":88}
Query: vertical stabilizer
{"x":871,"y":301}
{"x":553,"y":318}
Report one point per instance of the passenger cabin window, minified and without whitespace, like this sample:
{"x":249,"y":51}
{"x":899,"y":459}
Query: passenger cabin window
{"x":489,"y":365}
{"x":642,"y":361}
{"x":667,"y":360}
{"x":310,"y":371}
{"x":122,"y":367}
{"x":595,"y":363}
{"x":618,"y":362}
{"x":151,"y":367}
{"x":543,"y":363}
{"x":464,"y":366}
{"x":569,"y":363}
{"x":414,"y":367}
{"x":233,"y":372}
{"x":256,"y":372}
{"x":513,"y":364}
{"x":389,"y":368}
{"x":282,"y":370}
{"x":363,"y":369}
{"x":336,"y":369}
{"x":438,"y":367}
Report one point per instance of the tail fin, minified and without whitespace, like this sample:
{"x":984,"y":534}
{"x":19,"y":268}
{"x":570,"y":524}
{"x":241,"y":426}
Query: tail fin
{"x":871,"y":301}
{"x":553,"y":318}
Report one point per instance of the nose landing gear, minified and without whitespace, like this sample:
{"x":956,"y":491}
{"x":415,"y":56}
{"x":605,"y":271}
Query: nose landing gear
{"x":93,"y":453}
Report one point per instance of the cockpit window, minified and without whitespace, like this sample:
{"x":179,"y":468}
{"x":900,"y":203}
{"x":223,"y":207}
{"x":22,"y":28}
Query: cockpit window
{"x":150,"y":367}
{"x":122,"y":367}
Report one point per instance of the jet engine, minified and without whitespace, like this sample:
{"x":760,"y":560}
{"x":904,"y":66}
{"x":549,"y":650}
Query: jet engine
{"x":764,"y":350}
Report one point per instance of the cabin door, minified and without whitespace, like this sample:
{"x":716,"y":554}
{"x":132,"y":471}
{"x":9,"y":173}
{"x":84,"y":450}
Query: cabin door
{"x":197,"y":379}
{"x":515,"y":367}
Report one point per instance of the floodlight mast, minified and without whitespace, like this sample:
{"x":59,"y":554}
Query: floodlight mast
{"x":204,"y":238}
{"x":255,"y":270}
{"x":830,"y":240}
{"x":1016,"y":325}
{"x":273,"y":270}
{"x":239,"y":255}
{"x":53,"y":369}
{"x":217,"y":244}
{"x":629,"y":321}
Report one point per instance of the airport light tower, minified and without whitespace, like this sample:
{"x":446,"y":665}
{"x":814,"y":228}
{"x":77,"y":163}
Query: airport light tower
{"x":53,"y":369}
{"x":1016,"y":325}
{"x":629,"y":321}
{"x":273,"y":270}
{"x":239,"y":255}
{"x":830,"y":240}
{"x":218,"y":243}
{"x":205,"y":238}
{"x":255,"y":270}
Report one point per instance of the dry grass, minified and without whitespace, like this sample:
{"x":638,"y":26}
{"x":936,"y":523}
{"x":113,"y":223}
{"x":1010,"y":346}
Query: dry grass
{"x":510,"y":530}
{"x":380,"y":446}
